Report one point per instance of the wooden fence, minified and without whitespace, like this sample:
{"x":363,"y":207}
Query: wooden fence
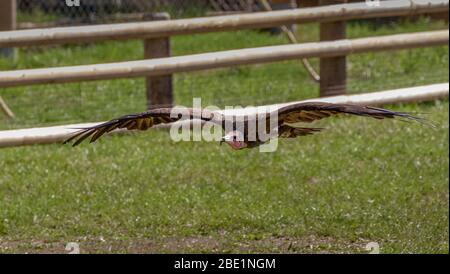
{"x":145,"y":30}
{"x":156,"y":36}
{"x":169,"y":65}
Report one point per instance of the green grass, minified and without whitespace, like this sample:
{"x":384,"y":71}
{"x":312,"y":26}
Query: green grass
{"x":359,"y":181}
{"x":36,"y":16}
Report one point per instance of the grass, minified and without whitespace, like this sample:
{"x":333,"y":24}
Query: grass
{"x":359,"y":181}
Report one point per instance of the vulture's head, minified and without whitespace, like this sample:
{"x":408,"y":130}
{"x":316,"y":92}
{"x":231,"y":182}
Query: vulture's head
{"x":235,"y":139}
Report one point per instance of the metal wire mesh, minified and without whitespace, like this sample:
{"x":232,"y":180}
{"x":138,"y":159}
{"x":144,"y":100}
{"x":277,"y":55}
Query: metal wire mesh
{"x":38,"y":13}
{"x":45,"y":13}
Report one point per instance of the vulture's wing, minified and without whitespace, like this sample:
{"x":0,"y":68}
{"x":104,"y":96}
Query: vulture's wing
{"x":286,"y":131}
{"x":142,"y":121}
{"x":311,"y":111}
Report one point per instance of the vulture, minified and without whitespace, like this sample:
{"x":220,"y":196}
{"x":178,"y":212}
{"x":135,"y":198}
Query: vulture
{"x":238,"y":134}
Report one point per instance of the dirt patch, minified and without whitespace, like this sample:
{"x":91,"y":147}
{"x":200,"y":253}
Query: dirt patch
{"x":200,"y":244}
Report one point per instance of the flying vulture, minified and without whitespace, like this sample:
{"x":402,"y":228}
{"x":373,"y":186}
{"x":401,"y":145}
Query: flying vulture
{"x":238,"y":136}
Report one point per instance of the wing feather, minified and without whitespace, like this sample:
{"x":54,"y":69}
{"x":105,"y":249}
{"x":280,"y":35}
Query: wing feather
{"x":312,"y":111}
{"x":286,"y":131}
{"x":140,"y":121}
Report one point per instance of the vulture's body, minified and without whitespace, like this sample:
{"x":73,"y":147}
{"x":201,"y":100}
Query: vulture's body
{"x":240,"y":135}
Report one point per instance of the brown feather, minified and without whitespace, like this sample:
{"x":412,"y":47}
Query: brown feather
{"x":311,"y":111}
{"x":286,"y":131}
{"x":141,"y":121}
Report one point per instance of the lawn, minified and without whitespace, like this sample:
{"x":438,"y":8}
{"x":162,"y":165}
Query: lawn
{"x":359,"y":181}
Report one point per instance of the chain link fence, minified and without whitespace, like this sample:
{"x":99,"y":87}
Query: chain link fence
{"x":40,"y":13}
{"x":48,"y":13}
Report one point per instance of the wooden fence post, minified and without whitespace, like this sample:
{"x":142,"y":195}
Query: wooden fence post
{"x":333,"y":70}
{"x":159,"y":88}
{"x":7,"y":22}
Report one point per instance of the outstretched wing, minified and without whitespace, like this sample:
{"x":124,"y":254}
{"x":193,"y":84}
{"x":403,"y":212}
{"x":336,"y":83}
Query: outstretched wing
{"x":311,"y":111}
{"x":141,"y":121}
{"x":286,"y":131}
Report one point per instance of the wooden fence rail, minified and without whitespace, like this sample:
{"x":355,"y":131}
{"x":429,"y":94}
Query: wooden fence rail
{"x":342,"y":12}
{"x":170,"y":65}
